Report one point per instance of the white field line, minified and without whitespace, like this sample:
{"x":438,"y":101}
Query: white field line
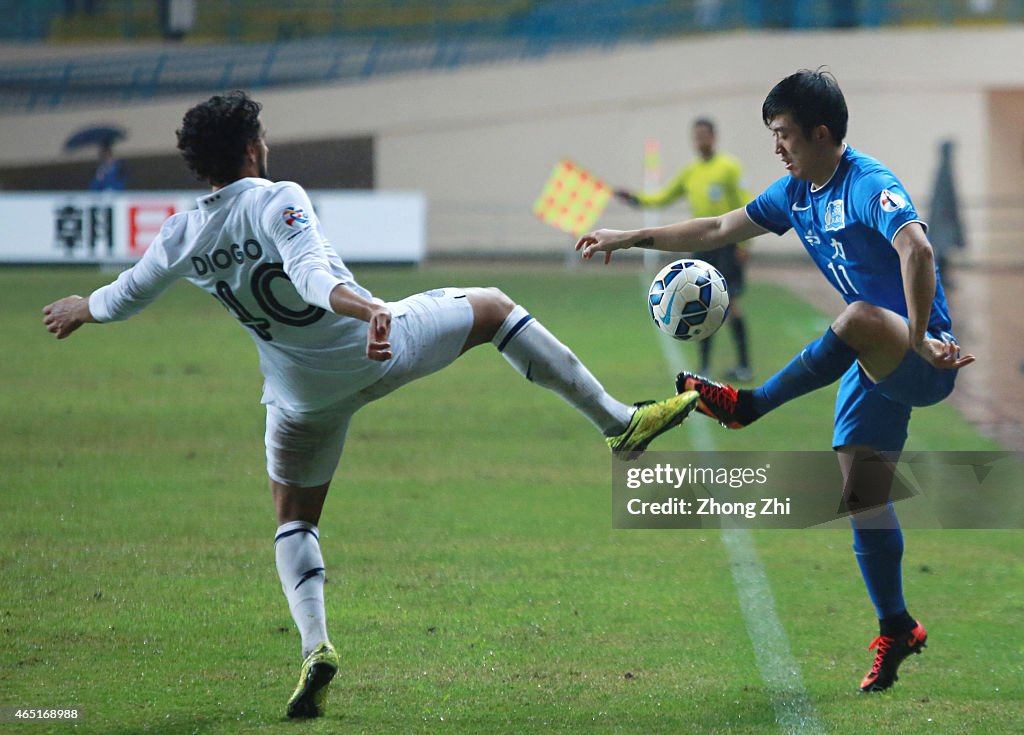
{"x":781,"y":673}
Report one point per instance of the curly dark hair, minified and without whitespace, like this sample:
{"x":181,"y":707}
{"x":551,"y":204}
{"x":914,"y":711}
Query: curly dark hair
{"x":215,"y":133}
{"x":813,"y":98}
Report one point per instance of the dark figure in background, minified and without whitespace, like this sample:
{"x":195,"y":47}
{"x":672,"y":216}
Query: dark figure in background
{"x":945,"y":229}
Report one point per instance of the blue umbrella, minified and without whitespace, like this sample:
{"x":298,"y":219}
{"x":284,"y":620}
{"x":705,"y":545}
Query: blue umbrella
{"x":100,"y":135}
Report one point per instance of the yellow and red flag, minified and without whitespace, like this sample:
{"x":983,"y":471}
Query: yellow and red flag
{"x":573,"y":198}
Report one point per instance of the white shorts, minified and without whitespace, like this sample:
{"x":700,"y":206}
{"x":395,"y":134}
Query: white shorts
{"x":428,"y":331}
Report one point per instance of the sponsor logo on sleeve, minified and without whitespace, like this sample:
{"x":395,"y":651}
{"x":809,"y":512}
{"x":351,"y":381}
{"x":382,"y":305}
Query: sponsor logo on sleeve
{"x":294,"y":215}
{"x":835,"y":215}
{"x":891,"y":201}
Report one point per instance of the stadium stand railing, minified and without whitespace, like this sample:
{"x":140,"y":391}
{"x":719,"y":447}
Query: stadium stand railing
{"x":257,"y":44}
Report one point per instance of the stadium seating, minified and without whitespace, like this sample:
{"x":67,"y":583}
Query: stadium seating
{"x":262,"y":43}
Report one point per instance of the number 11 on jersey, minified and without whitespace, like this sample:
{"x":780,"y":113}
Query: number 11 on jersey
{"x":842,"y":279}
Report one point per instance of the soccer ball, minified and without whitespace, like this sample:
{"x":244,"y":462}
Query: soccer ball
{"x":688,"y":300}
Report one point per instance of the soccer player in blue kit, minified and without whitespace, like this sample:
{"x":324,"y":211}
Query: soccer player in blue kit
{"x":891,"y":348}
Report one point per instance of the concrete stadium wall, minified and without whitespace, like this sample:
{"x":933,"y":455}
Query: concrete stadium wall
{"x":481,"y":141}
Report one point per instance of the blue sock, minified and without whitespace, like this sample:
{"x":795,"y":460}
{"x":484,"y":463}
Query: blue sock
{"x":879,"y":553}
{"x":820,"y":363}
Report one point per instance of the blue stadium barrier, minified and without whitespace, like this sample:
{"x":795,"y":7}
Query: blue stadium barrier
{"x":524,"y":30}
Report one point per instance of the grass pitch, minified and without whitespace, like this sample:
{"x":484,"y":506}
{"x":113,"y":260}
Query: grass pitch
{"x":475,"y":584}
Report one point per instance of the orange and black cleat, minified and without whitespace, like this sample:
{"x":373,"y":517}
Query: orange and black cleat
{"x":728,"y":406}
{"x":889,"y":654}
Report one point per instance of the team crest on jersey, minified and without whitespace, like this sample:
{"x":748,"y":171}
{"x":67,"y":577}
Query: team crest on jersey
{"x":891,"y":201}
{"x":835,"y":215}
{"x":293,"y":215}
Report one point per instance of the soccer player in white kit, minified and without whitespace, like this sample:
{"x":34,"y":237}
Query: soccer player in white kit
{"x":326,"y":346}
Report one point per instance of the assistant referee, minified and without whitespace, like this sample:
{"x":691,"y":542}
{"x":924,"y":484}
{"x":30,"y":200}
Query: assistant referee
{"x":712,"y":185}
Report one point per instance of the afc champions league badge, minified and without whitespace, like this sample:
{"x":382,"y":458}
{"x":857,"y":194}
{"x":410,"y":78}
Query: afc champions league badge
{"x":293,"y":215}
{"x":891,"y":201}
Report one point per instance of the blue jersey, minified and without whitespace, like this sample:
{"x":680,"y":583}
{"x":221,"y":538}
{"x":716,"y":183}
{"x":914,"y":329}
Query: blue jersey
{"x":848,"y":226}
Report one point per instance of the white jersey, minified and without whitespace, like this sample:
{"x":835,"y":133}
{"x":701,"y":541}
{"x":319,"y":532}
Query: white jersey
{"x":257,"y":247}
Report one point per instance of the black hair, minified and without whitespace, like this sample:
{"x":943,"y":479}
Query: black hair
{"x":812,"y":98}
{"x":214,"y":135}
{"x":707,"y":122}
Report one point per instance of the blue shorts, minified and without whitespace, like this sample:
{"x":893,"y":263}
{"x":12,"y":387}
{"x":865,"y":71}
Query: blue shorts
{"x":877,"y":414}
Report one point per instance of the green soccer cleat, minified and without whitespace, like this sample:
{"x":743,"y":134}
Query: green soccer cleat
{"x":650,"y":420}
{"x":310,"y":695}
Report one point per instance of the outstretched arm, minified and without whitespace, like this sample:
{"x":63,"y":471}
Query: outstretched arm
{"x":129,"y":294}
{"x":674,"y":190}
{"x":703,"y":233}
{"x":65,"y":315}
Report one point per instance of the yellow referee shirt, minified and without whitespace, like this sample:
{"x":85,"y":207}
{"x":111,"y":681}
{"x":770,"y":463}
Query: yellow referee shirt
{"x":713,"y":187}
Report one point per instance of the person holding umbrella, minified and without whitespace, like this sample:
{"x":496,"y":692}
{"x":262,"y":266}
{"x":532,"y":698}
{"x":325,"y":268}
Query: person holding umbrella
{"x":109,"y":174}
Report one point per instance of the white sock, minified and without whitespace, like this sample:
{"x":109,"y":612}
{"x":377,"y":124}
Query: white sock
{"x":301,"y":569}
{"x":542,"y":359}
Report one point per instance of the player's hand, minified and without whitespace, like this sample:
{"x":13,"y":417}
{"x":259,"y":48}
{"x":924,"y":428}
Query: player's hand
{"x":64,"y":316}
{"x":627,"y":196}
{"x":378,"y":346}
{"x":604,"y":241}
{"x":943,"y":353}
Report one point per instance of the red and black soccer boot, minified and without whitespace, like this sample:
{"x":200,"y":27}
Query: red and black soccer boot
{"x":890,"y":651}
{"x":731,"y":408}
